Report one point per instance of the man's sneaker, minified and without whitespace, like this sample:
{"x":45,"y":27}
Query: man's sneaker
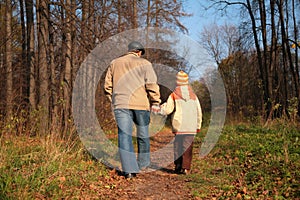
{"x":145,"y":169}
{"x":130,"y":175}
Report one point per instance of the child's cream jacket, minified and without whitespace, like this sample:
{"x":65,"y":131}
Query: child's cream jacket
{"x":185,"y":110}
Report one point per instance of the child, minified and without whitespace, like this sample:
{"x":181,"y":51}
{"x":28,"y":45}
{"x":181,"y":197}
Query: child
{"x":186,"y":121}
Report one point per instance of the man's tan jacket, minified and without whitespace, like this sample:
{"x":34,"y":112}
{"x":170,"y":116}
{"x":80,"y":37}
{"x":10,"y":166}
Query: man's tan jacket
{"x":131,"y":83}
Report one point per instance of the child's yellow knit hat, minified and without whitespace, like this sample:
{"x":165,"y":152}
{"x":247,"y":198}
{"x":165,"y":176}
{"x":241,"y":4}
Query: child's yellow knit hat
{"x":182,"y":78}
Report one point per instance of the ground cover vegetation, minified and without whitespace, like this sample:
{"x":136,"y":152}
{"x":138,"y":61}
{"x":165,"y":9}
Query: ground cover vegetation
{"x":248,"y":162}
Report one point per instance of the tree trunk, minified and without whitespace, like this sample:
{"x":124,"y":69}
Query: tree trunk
{"x":156,"y":12}
{"x":119,"y":16}
{"x":148,"y":25}
{"x":30,"y":53}
{"x":294,"y":8}
{"x":23,"y":73}
{"x":90,"y":24}
{"x":293,"y":68}
{"x":259,"y":58}
{"x":148,"y":13}
{"x":268,"y":76}
{"x":8,"y":59}
{"x":134,"y":14}
{"x":54,"y":86}
{"x":68,"y":66}
{"x":273,"y":60}
{"x":287,"y":58}
{"x":43,"y":31}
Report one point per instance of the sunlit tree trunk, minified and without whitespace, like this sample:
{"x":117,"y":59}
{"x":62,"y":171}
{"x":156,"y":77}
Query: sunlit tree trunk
{"x":134,"y":15}
{"x":43,"y":103}
{"x":54,"y":85}
{"x":84,"y":29}
{"x":148,"y":24}
{"x":67,"y":86}
{"x":74,"y":47}
{"x":30,"y":53}
{"x":8,"y":60}
{"x":148,"y":13}
{"x":119,"y":12}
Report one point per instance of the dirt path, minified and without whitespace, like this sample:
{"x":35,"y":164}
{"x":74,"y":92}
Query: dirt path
{"x":159,"y":183}
{"x":156,"y":185}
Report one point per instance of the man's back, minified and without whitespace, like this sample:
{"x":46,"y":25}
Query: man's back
{"x":128,"y":80}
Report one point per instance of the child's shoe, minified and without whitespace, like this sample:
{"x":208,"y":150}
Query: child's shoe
{"x":185,"y":171}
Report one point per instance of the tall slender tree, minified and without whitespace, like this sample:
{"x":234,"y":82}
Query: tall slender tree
{"x":68,"y":66}
{"x":295,"y":43}
{"x":43,"y":73}
{"x":8,"y":59}
{"x":30,"y":56}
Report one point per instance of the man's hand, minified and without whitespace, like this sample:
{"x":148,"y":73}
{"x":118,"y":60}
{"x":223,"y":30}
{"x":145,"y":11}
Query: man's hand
{"x":155,"y":109}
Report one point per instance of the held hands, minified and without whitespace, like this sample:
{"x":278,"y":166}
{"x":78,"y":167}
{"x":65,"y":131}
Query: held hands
{"x":155,"y":109}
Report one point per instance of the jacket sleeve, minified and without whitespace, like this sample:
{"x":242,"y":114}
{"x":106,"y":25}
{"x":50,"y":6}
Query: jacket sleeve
{"x":108,"y":84}
{"x":199,"y":114}
{"x":151,"y":85}
{"x":153,"y":92}
{"x":168,"y":107}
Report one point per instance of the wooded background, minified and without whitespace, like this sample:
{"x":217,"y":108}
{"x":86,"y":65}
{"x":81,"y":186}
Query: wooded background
{"x":44,"y":42}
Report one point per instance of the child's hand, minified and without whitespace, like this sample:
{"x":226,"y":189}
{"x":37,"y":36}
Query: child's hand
{"x":155,"y":109}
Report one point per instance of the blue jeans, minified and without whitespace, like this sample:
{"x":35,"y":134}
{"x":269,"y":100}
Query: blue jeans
{"x":125,"y":119}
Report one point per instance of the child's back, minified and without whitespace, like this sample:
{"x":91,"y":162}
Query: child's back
{"x":186,"y":114}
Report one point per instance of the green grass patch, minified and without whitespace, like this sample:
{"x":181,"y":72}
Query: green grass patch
{"x":46,"y":168}
{"x":250,"y":162}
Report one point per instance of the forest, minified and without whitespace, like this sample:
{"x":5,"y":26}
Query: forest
{"x":45,"y":42}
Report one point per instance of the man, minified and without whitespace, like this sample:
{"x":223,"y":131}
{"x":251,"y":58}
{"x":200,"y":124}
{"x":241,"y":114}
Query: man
{"x":130,"y":85}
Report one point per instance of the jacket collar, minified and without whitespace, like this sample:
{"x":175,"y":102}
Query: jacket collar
{"x":132,"y":53}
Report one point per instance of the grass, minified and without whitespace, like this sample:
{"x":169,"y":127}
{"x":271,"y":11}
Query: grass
{"x":248,"y":162}
{"x":38,"y":168}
